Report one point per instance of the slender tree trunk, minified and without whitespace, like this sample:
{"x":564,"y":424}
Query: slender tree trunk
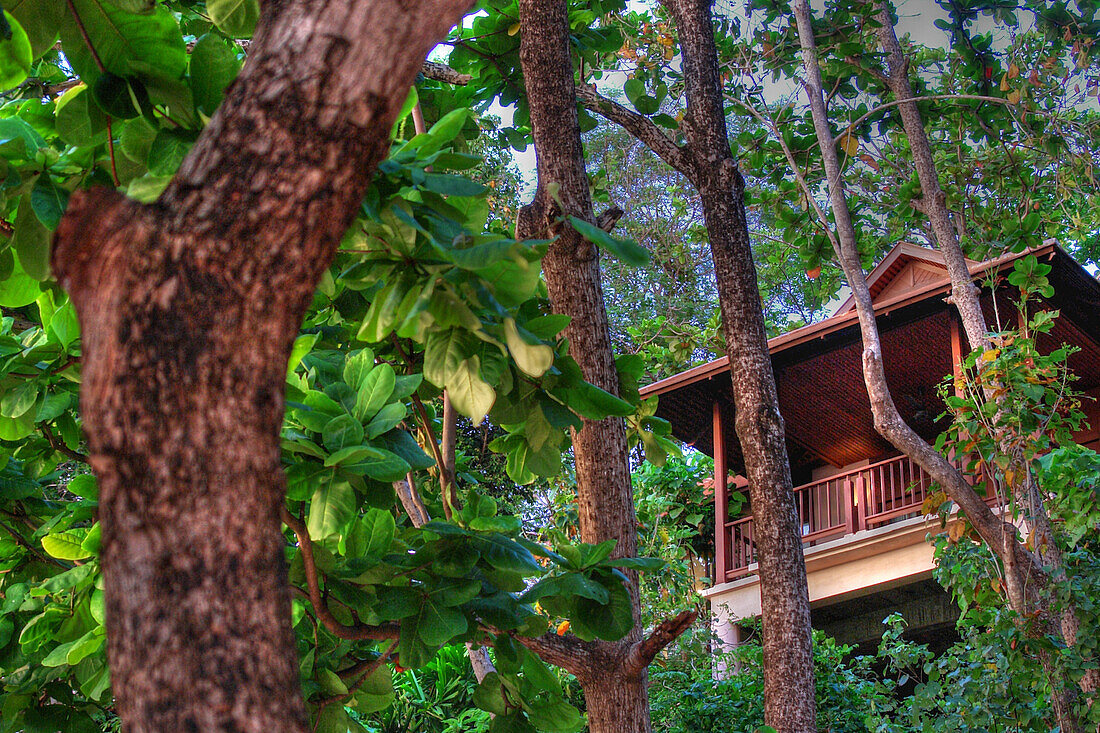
{"x":1026,"y":578}
{"x":616,"y":695}
{"x":188,"y":309}
{"x":789,"y":704}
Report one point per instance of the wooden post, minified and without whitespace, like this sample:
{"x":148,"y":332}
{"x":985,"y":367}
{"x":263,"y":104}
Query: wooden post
{"x":721,"y":496}
{"x":956,"y":354}
{"x":850,"y":503}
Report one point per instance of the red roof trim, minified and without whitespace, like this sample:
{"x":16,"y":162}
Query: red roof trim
{"x":833,"y":323}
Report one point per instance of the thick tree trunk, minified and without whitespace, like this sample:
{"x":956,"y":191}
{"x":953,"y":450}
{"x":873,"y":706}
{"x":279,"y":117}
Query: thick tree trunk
{"x":616,"y":697}
{"x":964,"y":292}
{"x":1025,"y":577}
{"x":188,"y":309}
{"x":789,"y":703}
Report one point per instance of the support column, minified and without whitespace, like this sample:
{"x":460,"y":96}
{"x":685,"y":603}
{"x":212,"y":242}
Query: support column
{"x":957,"y":354}
{"x":721,"y":496}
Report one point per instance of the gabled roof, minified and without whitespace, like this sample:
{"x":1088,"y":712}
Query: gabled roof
{"x":905,"y":268}
{"x":818,"y":367}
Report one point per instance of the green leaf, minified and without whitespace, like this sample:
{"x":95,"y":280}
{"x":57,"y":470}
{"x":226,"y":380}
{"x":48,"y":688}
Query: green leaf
{"x":59,"y":656}
{"x":382,"y":465}
{"x":532,"y":359}
{"x":167,"y":152}
{"x":350,"y":454}
{"x":412,"y":651}
{"x":387,"y":419}
{"x":48,"y":201}
{"x":374,"y":391}
{"x":142,"y":7}
{"x":15,"y":54}
{"x":148,"y":46}
{"x":136,"y":138}
{"x":147,"y":189}
{"x":470,"y":394}
{"x":646,"y":564}
{"x":40,"y":20}
{"x":31,"y":241}
{"x":505,"y":554}
{"x":503,"y":524}
{"x":83,"y":485}
{"x":593,"y":403}
{"x":610,"y":621}
{"x":65,"y":546}
{"x":489,"y":695}
{"x":628,"y":251}
{"x":443,"y":353}
{"x":357,"y":366}
{"x":79,"y":121}
{"x":341,"y":432}
{"x":121,"y":97}
{"x":214,"y":66}
{"x":451,"y":185}
{"x":86,"y":645}
{"x":18,"y":289}
{"x":330,"y":508}
{"x":379,"y":529}
{"x":236,"y":18}
{"x":18,"y":402}
{"x":439,"y":624}
{"x":553,"y":715}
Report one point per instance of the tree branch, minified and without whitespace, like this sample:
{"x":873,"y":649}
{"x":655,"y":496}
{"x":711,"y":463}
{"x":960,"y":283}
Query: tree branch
{"x":441,"y":72}
{"x":642,"y":652}
{"x":355,"y":632}
{"x":637,"y":125}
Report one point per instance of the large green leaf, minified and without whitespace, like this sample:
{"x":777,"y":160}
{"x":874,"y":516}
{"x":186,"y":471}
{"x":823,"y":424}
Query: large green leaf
{"x":79,"y":121}
{"x":128,"y":44}
{"x":626,"y":250}
{"x":236,"y":18}
{"x":31,"y":241}
{"x":444,"y":352}
{"x":40,"y":20}
{"x":595,"y":404}
{"x":375,"y":388}
{"x":438,"y":623}
{"x":532,"y":359}
{"x":381,"y":465}
{"x":48,"y":200}
{"x":15,"y":54}
{"x":470,"y":394}
{"x":379,"y":528}
{"x":65,"y":546}
{"x":341,"y":432}
{"x":330,"y":509}
{"x":214,"y":65}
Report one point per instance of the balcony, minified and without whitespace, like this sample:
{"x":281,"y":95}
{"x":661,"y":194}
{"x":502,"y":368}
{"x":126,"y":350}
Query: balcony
{"x":864,"y":498}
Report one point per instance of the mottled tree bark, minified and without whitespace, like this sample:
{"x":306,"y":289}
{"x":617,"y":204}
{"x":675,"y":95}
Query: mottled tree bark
{"x":789,"y":703}
{"x":188,"y":309}
{"x":616,"y":697}
{"x":1026,"y":578}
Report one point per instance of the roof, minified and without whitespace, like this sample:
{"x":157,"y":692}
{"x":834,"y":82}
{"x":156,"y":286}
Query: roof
{"x":818,"y":367}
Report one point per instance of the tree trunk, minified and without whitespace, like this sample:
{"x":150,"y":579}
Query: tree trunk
{"x":188,"y":309}
{"x":789,"y":703}
{"x":1026,"y":579}
{"x":616,"y":697}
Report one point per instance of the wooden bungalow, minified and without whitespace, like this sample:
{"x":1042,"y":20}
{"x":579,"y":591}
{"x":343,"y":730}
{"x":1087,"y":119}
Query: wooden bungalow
{"x":858,"y":499}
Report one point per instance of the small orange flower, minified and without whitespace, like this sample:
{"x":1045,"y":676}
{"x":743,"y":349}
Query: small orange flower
{"x":562,"y":628}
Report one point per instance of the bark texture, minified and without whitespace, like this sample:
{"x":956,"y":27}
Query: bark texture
{"x":1026,"y":576}
{"x":616,"y":697}
{"x":789,"y":703}
{"x":188,"y":309}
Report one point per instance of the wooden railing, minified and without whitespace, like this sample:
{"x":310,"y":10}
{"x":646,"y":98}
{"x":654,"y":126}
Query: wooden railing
{"x":865,"y":498}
